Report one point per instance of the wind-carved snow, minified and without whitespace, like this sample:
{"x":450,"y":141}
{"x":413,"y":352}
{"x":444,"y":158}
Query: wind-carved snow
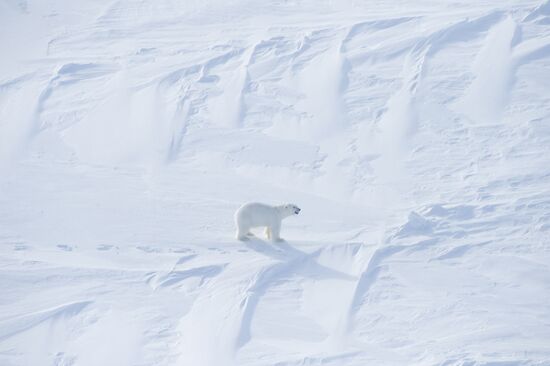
{"x":414,"y":137}
{"x":485,"y":96}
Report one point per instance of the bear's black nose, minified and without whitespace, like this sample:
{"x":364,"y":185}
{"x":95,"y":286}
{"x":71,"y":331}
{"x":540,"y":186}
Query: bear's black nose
{"x":297,"y":211}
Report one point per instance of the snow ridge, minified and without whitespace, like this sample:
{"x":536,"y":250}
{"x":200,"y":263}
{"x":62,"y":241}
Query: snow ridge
{"x":414,"y":136}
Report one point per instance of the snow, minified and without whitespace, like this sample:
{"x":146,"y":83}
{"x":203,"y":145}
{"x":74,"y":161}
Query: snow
{"x":413,"y":136}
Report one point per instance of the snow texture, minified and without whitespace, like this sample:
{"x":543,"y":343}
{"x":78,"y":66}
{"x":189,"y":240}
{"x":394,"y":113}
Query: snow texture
{"x":415,"y":136}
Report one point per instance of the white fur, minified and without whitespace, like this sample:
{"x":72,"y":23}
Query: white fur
{"x":255,"y":214}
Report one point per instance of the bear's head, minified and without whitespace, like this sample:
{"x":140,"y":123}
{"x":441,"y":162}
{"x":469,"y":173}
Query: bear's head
{"x":291,"y":209}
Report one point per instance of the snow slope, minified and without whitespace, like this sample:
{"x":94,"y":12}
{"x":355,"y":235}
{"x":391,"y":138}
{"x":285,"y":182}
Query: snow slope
{"x":414,"y":136}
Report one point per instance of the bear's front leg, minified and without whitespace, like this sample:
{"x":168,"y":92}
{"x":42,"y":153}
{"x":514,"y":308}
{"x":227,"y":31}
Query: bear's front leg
{"x":276,"y":233}
{"x":268,"y":232}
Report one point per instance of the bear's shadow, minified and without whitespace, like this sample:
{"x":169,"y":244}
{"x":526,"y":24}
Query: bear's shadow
{"x":284,"y":252}
{"x":280,"y":250}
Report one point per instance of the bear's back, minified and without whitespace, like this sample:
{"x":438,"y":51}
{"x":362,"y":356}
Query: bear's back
{"x":256,"y":214}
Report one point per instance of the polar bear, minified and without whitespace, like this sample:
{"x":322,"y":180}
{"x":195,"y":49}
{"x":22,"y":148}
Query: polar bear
{"x":255,"y":214}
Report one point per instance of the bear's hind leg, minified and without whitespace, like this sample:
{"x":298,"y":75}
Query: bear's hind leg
{"x":242,"y":233}
{"x":268,"y":232}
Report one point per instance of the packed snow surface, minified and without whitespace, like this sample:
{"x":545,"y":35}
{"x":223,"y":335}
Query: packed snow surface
{"x":414,"y":135}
